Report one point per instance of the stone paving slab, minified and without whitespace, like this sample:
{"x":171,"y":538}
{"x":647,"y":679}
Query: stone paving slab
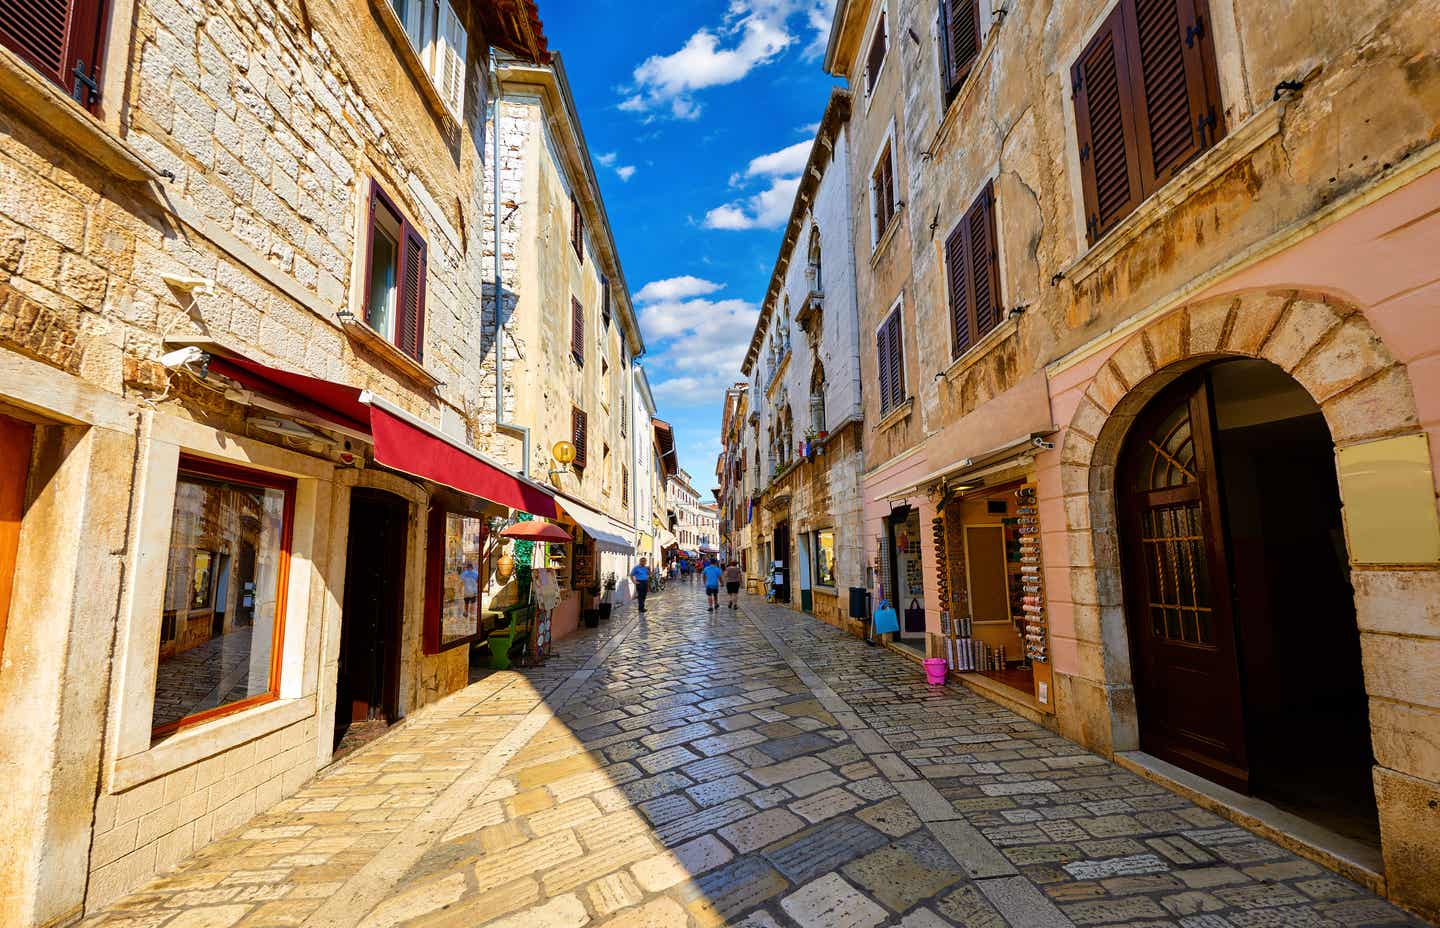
{"x":756,"y":769}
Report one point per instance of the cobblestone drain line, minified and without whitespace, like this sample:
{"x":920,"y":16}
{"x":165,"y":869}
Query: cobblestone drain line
{"x":1015,"y":897}
{"x":375,"y":881}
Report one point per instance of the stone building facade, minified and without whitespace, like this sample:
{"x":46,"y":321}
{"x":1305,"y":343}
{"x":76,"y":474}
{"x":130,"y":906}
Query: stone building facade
{"x":801,"y":432}
{"x":1107,"y":228}
{"x":247,"y":286}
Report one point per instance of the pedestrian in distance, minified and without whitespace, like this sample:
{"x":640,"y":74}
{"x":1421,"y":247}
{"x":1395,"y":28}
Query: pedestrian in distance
{"x":640,"y":573}
{"x":733,"y":576}
{"x":712,"y":573}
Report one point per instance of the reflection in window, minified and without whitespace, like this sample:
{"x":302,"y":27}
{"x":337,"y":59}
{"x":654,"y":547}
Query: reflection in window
{"x":223,"y":602}
{"x":460,"y":583}
{"x":825,"y":558}
{"x":380,"y":307}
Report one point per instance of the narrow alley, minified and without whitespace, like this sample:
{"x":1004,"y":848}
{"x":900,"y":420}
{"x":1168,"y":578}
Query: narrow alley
{"x":754,"y":768}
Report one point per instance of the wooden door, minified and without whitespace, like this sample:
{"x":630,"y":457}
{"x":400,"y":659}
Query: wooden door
{"x":16,"y":440}
{"x":1178,"y":592}
{"x":369,"y":672}
{"x":782,"y":554}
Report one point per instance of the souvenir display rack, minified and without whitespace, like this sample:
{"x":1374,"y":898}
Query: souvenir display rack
{"x":1032,"y":582}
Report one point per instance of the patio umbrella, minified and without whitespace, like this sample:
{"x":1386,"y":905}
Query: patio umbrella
{"x":536,"y":531}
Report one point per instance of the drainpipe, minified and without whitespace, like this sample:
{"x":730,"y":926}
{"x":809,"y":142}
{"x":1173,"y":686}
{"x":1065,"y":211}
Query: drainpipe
{"x":501,"y":424}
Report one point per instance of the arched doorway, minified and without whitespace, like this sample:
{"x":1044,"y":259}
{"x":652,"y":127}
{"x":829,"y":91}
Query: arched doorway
{"x":1246,"y":654}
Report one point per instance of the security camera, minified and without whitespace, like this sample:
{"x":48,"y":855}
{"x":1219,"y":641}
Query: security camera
{"x":180,"y":357}
{"x":1042,"y":444}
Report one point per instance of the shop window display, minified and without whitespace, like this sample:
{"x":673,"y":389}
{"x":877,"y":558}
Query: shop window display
{"x":224,"y":593}
{"x":455,"y":579}
{"x":825,"y":558}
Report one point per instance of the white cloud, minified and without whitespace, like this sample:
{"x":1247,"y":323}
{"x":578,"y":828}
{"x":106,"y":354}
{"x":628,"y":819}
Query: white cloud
{"x":768,"y":209}
{"x":787,"y":161}
{"x":607,"y":159}
{"x":676,"y":288}
{"x":626,"y":171}
{"x":752,"y":34}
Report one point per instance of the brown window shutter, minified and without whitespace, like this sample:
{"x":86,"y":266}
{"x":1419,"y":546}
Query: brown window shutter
{"x":876,"y":56}
{"x":577,"y":229}
{"x":957,"y":265}
{"x":579,"y":429}
{"x":882,"y":365}
{"x":577,"y":330}
{"x":897,"y":361}
{"x":61,"y":39}
{"x":605,"y":301}
{"x":624,"y":485}
{"x":410,"y":326}
{"x":1104,"y":124}
{"x":1178,"y":115}
{"x":960,"y":27}
{"x":984,"y":263}
{"x":889,"y":175}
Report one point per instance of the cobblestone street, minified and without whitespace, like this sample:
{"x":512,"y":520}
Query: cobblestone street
{"x":755,"y":769}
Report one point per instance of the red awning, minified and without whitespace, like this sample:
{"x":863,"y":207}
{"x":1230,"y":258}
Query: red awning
{"x":536,"y":531}
{"x":401,"y":442}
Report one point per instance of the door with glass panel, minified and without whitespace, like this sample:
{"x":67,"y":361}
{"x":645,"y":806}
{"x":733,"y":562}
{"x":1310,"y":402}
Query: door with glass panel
{"x":1178,"y":592}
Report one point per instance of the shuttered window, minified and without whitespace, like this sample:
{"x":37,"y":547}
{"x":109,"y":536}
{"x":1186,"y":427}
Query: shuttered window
{"x":605,"y":302}
{"x":1147,"y":102}
{"x":891,"y":363}
{"x":395,"y":277}
{"x":579,"y":433}
{"x":577,"y":229}
{"x":972,"y":270}
{"x":960,"y":37}
{"x":624,"y":486}
{"x":61,"y":39}
{"x":577,"y":331}
{"x":876,"y":57}
{"x":882,"y":193}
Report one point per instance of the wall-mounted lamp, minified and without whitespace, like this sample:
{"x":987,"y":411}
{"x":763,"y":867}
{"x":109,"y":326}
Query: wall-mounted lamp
{"x":195,"y":286}
{"x":564,"y":455}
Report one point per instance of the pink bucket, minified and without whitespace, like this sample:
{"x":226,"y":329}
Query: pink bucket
{"x":935,"y":670}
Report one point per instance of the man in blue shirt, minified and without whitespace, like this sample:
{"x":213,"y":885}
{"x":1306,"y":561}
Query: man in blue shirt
{"x":712,"y":574}
{"x":640,"y":573}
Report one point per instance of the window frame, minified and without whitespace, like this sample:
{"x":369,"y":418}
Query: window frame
{"x":952,"y":79}
{"x":577,"y":228}
{"x":577,"y":330}
{"x":963,"y":228}
{"x":605,"y":310}
{"x":87,"y":28}
{"x":433,"y":642}
{"x":580,"y":437}
{"x":815,"y":556}
{"x":895,"y":315}
{"x":409,"y":237}
{"x":879,"y":38}
{"x":885,"y":156}
{"x":236,"y":473}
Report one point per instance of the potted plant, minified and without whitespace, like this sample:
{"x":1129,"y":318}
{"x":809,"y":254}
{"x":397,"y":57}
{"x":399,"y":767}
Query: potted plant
{"x":609,"y":593}
{"x":591,"y":616}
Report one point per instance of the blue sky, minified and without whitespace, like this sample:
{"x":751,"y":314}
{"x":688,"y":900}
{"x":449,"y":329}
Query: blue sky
{"x":699,"y":117}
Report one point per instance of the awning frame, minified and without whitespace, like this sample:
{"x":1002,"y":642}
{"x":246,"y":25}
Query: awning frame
{"x":981,"y":464}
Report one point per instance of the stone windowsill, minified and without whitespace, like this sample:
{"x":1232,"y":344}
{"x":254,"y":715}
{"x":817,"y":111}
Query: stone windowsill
{"x":411,"y":60}
{"x":895,"y":415}
{"x":976,"y":352}
{"x":883,"y":242}
{"x":47,"y":106}
{"x":1215,"y":161}
{"x":379,"y":344}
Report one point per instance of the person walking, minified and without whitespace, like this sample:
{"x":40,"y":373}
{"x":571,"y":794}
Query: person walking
{"x":733,"y":576}
{"x":640,"y":573}
{"x":712,"y":573}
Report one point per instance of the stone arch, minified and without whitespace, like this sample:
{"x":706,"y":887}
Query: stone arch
{"x":1322,"y":341}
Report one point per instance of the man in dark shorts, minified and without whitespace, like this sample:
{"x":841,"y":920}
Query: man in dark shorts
{"x":733,"y":576}
{"x":712,"y":574}
{"x":641,"y":575}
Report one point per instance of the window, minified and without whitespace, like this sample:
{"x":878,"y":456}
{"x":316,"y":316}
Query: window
{"x":890,"y":356}
{"x":605,"y":465}
{"x":62,"y":39}
{"x":452,"y":579}
{"x":875,"y":58}
{"x":395,"y":277}
{"x":577,"y":229}
{"x":624,"y":486}
{"x":438,"y":36}
{"x":579,"y":430}
{"x":577,"y":331}
{"x":224,"y":608}
{"x":812,"y":267}
{"x":882,"y":194}
{"x":825,"y":557}
{"x":960,"y":41}
{"x":1146,"y":103}
{"x":973,"y":272}
{"x":605,"y":302}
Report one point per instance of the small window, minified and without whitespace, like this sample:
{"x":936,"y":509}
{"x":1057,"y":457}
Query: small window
{"x":879,"y":42}
{"x":960,"y":41}
{"x":453,"y":579}
{"x":223,"y":615}
{"x":438,"y":36}
{"x":605,"y":302}
{"x":890,"y":357}
{"x":577,"y":331}
{"x":972,"y":271}
{"x":579,"y":433}
{"x":825,"y":557}
{"x":577,"y":229}
{"x":395,"y":278}
{"x":1147,"y":102}
{"x":882,"y":193}
{"x":62,"y":39}
{"x":624,"y":486}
